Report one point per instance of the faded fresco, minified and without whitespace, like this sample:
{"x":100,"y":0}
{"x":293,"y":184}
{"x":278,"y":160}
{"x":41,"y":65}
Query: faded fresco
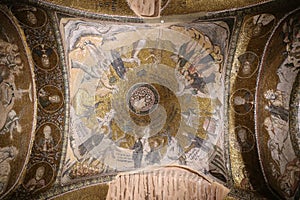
{"x":17,"y":104}
{"x":144,"y":95}
{"x":279,"y":158}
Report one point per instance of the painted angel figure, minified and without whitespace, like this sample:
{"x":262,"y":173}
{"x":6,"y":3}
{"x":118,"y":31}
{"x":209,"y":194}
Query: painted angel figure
{"x":102,"y":131}
{"x":174,"y":152}
{"x":190,"y":117}
{"x":137,"y":154}
{"x":90,"y":63}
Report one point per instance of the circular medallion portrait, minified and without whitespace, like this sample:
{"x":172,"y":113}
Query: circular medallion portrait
{"x":242,"y":101}
{"x":142,"y":98}
{"x":248,"y":63}
{"x":44,"y":57}
{"x":50,"y":98}
{"x":47,"y":136}
{"x":38,"y":177}
{"x":29,"y":16}
{"x":259,"y":26}
{"x":244,"y":139}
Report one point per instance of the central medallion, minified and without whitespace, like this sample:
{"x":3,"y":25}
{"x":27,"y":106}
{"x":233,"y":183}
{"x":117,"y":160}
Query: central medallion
{"x":142,"y":98}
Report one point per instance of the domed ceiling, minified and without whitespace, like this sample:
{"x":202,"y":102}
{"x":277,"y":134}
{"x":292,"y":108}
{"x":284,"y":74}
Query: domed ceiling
{"x":157,"y":99}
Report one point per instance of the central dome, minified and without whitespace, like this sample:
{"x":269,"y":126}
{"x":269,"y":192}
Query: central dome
{"x":142,"y":98}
